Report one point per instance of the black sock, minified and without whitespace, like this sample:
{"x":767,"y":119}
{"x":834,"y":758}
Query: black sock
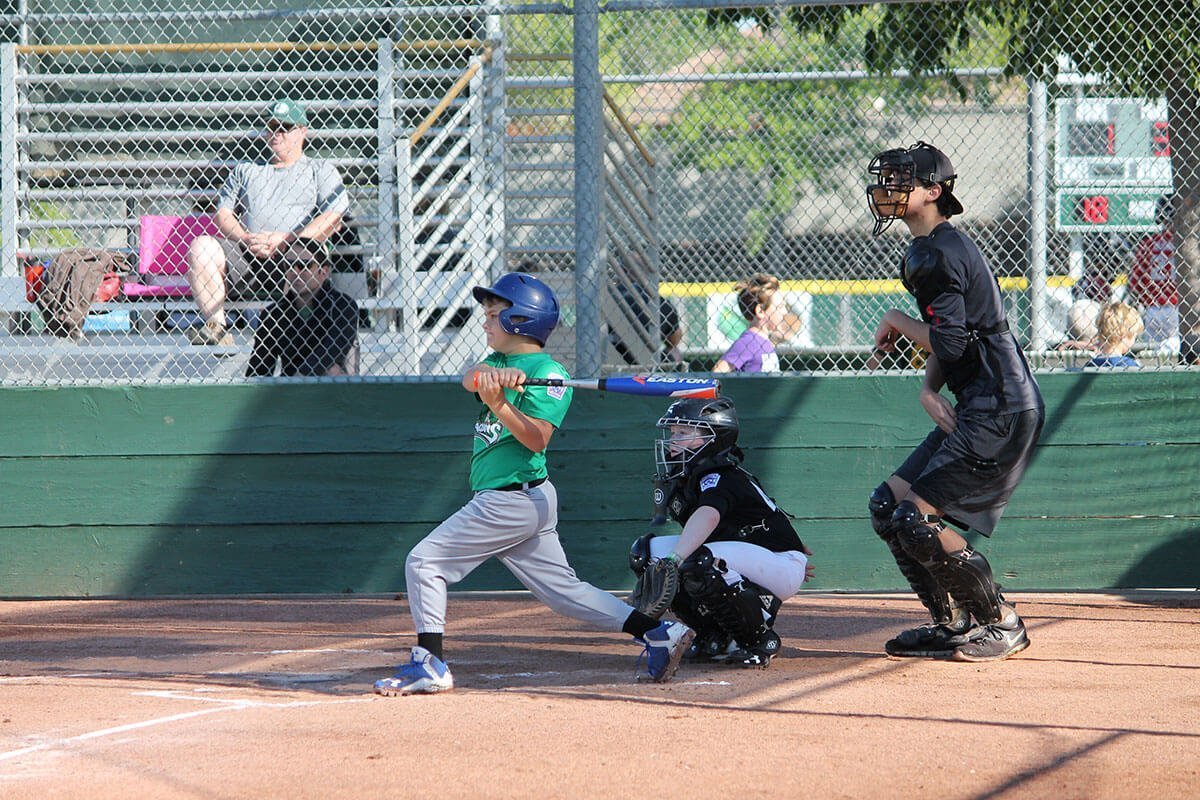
{"x":639,"y":624}
{"x":431,"y":642}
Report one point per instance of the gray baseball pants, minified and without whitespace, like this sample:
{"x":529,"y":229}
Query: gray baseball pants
{"x":521,"y":529}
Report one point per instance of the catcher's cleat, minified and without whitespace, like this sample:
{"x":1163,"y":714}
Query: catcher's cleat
{"x":996,"y":641}
{"x":665,"y":646}
{"x":759,"y":656}
{"x":424,"y":674}
{"x":712,"y":645}
{"x":931,"y":641}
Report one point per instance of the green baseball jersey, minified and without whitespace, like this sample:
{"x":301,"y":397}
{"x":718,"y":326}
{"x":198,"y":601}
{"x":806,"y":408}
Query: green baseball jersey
{"x":498,"y":459}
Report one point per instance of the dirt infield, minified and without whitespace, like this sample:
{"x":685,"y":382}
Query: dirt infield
{"x":265,"y":698}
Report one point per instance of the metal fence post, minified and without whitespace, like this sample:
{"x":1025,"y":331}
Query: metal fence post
{"x":589,"y":186}
{"x":385,"y":236}
{"x":8,"y":158}
{"x":404,"y":278}
{"x":1038,"y":234}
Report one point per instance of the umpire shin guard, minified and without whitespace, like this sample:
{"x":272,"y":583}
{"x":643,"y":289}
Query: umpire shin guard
{"x":965,"y":574}
{"x":942,"y":609}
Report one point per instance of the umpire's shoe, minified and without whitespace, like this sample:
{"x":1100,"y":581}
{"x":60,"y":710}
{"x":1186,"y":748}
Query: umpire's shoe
{"x":424,"y":674}
{"x":932,"y":641}
{"x":665,"y":646}
{"x":996,"y":641}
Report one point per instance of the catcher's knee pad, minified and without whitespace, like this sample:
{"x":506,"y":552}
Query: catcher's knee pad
{"x":639,"y":553}
{"x":702,"y":575}
{"x":917,"y":533}
{"x":882,"y":505}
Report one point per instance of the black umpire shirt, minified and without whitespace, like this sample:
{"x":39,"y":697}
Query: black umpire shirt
{"x":747,"y":513}
{"x":305,"y":340}
{"x":981,"y":360}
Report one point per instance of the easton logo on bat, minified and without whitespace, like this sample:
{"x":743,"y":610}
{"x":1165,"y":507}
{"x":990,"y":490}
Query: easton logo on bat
{"x":668,"y":379}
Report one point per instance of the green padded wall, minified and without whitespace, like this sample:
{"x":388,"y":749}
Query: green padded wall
{"x":325,"y":488}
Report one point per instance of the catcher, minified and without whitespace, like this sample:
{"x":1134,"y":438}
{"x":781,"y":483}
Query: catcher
{"x":738,"y":557}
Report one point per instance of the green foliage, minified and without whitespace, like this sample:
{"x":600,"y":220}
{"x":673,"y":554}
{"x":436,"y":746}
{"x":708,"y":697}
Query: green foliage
{"x":786,"y":133}
{"x":51,"y":237}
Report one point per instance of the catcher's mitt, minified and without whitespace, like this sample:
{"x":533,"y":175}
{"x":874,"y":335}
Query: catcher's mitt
{"x":656,"y":587}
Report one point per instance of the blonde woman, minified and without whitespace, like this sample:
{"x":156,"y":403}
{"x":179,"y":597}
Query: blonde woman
{"x":760,"y":304}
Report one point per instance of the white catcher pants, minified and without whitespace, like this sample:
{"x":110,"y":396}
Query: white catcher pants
{"x":781,"y":574}
{"x":521,"y":529}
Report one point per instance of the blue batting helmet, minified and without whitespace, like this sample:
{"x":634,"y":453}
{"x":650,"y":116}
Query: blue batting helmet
{"x":534,"y":309}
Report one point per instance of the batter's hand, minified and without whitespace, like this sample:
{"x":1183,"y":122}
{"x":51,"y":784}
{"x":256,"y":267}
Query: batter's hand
{"x":491,"y":383}
{"x":939,"y":409}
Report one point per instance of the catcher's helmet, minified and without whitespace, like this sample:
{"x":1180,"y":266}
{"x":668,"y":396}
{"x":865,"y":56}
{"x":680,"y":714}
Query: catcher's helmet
{"x":711,"y":431}
{"x":534,"y":309}
{"x":894,"y":174}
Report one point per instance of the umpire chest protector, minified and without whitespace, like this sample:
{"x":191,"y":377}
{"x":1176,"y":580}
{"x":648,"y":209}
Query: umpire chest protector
{"x":926,"y":275}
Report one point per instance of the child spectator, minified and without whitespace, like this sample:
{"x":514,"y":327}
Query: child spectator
{"x":1117,"y":329}
{"x":760,"y":305}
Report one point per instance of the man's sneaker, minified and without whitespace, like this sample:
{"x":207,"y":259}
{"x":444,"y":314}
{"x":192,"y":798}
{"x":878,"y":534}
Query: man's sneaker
{"x":665,"y":645}
{"x":759,"y":656}
{"x":996,"y":641}
{"x":210,"y":334}
{"x":931,"y":641}
{"x":424,"y":674}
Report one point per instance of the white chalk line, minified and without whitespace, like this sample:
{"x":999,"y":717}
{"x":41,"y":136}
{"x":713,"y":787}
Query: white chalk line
{"x":226,"y":704}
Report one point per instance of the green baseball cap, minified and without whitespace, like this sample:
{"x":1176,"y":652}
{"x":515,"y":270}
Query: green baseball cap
{"x":289,"y":112}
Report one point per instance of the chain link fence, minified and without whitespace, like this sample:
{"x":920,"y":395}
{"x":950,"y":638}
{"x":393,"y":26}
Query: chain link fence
{"x":268,"y":188}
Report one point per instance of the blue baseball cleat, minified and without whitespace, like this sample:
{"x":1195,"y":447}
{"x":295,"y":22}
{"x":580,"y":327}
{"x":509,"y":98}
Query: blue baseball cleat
{"x":424,"y":674}
{"x":665,"y":646}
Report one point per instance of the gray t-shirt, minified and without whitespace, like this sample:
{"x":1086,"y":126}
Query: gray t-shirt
{"x":283,"y":198}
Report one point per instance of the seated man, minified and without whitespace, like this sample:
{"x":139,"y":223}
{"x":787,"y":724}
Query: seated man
{"x":261,"y":209}
{"x":313,"y":330}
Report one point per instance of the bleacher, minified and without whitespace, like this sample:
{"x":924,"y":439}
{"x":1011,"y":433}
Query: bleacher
{"x":111,"y":133}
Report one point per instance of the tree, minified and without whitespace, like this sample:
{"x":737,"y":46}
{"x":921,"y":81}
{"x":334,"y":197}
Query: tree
{"x":786,"y":134}
{"x":1144,"y":50}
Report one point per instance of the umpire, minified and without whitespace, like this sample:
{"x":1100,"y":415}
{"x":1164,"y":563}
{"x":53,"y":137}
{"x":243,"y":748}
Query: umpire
{"x":968,"y":466}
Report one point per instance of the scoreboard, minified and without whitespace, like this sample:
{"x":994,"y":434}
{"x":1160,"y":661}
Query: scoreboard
{"x":1112,"y":163}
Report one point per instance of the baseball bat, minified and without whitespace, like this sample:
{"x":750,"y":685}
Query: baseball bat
{"x":645,"y":385}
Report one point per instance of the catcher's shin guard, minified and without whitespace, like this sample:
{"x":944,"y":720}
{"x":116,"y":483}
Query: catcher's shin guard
{"x":929,"y":591}
{"x":737,"y":609}
{"x":966,"y":574}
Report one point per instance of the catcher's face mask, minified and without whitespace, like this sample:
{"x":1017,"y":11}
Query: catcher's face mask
{"x":893,"y":179}
{"x":680,"y":442}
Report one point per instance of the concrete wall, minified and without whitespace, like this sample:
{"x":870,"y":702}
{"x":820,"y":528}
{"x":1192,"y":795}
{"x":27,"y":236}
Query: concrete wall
{"x":325,"y":488}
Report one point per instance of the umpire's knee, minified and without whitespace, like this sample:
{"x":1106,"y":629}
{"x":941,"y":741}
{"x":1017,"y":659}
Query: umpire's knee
{"x":917,"y":534}
{"x":882,"y":505}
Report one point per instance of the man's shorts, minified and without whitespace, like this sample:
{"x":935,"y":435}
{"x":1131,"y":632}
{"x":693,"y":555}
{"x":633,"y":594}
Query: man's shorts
{"x":970,"y":474}
{"x":248,"y":277}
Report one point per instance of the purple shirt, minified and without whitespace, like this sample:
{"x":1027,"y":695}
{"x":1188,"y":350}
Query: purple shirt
{"x":752,"y":352}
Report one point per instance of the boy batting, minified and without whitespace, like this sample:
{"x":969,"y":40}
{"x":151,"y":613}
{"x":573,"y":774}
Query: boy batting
{"x":513,"y":513}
